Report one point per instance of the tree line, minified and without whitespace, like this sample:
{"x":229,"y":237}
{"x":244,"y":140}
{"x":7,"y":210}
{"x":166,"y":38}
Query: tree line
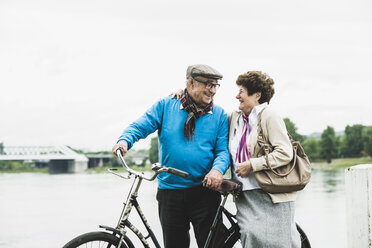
{"x":355,"y":142}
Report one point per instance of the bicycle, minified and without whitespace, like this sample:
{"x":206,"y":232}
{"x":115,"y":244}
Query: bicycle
{"x":117,"y":237}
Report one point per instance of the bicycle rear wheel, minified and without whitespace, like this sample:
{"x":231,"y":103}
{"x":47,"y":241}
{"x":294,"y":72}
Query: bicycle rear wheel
{"x":305,"y":243}
{"x":97,"y":239}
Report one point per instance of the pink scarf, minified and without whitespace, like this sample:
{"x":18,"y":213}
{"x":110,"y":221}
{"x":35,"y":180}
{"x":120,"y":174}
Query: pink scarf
{"x":243,"y":153}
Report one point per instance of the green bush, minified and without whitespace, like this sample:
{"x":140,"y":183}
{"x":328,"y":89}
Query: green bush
{"x":18,"y":166}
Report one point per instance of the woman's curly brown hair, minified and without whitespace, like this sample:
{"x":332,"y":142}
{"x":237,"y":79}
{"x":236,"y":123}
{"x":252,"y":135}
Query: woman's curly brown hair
{"x":257,"y":81}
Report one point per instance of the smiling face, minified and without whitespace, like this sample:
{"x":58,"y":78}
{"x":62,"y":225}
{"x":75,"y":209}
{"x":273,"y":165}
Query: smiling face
{"x":199,"y":92}
{"x":247,"y":102}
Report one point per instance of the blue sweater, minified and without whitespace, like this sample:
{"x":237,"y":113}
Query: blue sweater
{"x":208,"y":148}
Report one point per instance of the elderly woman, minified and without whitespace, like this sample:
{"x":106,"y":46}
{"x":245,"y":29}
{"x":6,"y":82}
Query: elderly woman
{"x":265,"y":220}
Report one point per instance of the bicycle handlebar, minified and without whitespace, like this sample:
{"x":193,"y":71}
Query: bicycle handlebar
{"x":177,"y":172}
{"x":157,"y":168}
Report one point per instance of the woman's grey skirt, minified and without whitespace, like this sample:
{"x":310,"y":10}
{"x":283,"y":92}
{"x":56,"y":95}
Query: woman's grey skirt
{"x":265,"y":224}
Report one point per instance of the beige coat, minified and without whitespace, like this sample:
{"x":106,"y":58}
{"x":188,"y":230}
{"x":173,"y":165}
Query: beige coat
{"x":275,"y":133}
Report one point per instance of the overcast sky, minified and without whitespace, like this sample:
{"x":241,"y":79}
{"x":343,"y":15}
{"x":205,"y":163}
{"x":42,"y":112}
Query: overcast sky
{"x":77,"y":72}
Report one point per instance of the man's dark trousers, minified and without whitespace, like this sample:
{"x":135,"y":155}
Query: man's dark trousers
{"x":179,"y":207}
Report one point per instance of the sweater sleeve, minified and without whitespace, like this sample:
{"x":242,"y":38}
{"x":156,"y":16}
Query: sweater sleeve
{"x":275,"y":133}
{"x":222,"y":157}
{"x":148,"y":123}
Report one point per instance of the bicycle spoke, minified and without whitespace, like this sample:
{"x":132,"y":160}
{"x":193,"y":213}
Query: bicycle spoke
{"x":97,"y":244}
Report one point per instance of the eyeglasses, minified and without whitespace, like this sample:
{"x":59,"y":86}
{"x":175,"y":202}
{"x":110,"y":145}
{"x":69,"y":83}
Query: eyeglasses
{"x":208,"y":83}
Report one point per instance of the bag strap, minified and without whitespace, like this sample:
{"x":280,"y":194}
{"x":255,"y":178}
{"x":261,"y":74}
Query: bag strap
{"x":264,"y":145}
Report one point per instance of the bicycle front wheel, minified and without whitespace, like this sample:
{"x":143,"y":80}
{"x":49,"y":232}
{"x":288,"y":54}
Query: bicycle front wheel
{"x":95,"y":239}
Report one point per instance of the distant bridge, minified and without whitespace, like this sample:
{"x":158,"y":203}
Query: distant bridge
{"x":60,"y":159}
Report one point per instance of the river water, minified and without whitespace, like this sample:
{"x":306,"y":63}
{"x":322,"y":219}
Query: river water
{"x":41,"y":210}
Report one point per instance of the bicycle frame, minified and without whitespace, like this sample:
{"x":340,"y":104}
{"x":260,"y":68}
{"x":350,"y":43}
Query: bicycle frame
{"x":214,"y":224}
{"x":124,"y":221}
{"x":233,"y":231}
{"x":131,"y":202}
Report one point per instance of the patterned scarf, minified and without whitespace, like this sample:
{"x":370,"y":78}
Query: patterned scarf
{"x":194,"y":113}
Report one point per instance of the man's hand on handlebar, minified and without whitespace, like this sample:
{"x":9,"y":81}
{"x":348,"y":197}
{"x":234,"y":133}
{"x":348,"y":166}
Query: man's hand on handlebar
{"x":213,"y":179}
{"x":123,"y":146}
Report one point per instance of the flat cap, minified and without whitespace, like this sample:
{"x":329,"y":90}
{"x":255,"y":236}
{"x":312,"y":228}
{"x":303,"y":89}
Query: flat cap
{"x":204,"y":71}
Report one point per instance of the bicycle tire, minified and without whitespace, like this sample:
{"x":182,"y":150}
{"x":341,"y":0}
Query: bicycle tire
{"x":305,"y":243}
{"x":97,"y":239}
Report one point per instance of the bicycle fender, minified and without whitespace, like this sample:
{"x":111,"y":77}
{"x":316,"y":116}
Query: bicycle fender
{"x":116,"y":231}
{"x":108,"y":228}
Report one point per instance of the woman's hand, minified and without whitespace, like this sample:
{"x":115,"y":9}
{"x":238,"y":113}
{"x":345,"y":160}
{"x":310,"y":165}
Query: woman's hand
{"x":243,"y":169}
{"x":177,"y":94}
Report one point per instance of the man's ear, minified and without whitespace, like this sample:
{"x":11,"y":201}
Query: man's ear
{"x":190,"y":82}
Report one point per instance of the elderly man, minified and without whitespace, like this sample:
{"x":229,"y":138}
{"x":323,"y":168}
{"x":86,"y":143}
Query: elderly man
{"x":193,"y":138}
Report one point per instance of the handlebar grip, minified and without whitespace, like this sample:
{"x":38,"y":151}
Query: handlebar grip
{"x":119,"y":151}
{"x":178,"y":172}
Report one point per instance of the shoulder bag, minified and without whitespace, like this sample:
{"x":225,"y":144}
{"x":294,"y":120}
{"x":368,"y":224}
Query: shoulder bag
{"x":287,"y":178}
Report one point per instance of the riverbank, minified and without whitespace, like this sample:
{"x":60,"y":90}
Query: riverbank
{"x":340,"y":163}
{"x":25,"y":170}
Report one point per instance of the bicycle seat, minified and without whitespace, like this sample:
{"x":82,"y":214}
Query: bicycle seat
{"x":230,"y":186}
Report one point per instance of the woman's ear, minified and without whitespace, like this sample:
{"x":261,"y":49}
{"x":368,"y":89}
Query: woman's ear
{"x":258,"y":95}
